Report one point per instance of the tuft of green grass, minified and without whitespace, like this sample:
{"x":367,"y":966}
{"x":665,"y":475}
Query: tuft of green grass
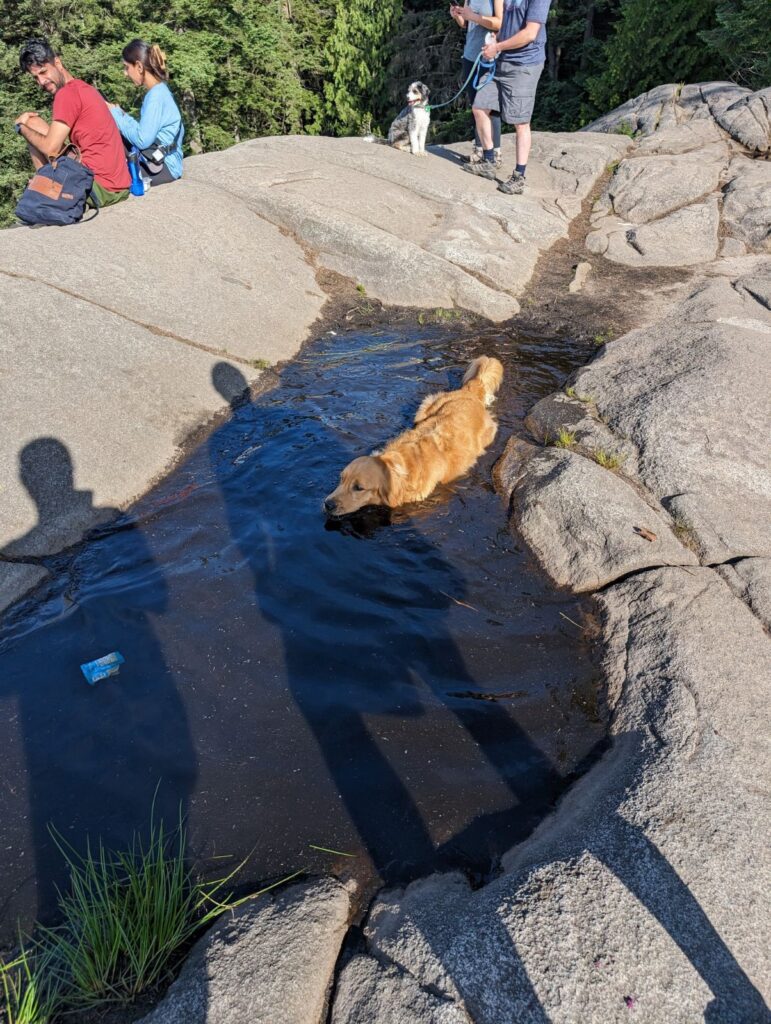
{"x":127,"y":913}
{"x":124,"y":919}
{"x":625,"y":128}
{"x":439,"y":316}
{"x":565,"y":439}
{"x":261,"y":364}
{"x":361,"y":289}
{"x":602,"y":338}
{"x":572,"y":393}
{"x":613,"y":166}
{"x":30,"y":986}
{"x":609,"y":460}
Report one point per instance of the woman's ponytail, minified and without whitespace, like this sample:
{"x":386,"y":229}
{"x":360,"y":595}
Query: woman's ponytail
{"x":152,"y":57}
{"x":156,"y":62}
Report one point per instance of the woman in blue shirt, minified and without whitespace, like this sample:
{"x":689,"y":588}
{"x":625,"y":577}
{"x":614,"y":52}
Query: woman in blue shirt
{"x":159,"y":132}
{"x":479,"y":18}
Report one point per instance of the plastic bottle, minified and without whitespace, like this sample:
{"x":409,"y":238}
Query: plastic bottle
{"x":137,"y":185}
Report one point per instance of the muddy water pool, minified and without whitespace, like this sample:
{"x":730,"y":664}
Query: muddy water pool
{"x":405,"y":687}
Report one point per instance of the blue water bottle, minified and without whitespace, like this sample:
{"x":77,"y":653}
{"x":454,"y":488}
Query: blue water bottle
{"x":137,"y":185}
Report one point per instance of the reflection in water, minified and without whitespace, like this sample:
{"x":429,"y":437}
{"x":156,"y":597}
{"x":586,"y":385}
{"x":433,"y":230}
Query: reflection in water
{"x":296,"y":681}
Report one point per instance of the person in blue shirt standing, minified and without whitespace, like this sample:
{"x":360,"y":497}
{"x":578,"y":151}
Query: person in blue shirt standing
{"x":159,"y":132}
{"x":521,"y":52}
{"x":479,"y":17}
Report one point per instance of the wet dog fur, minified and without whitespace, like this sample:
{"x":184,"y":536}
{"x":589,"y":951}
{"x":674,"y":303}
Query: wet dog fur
{"x":450,"y":432}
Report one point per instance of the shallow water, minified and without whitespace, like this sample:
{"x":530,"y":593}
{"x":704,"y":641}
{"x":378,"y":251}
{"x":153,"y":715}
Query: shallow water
{"x":404,"y":688}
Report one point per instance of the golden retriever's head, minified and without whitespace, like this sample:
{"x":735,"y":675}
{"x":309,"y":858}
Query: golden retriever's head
{"x":365,"y":481}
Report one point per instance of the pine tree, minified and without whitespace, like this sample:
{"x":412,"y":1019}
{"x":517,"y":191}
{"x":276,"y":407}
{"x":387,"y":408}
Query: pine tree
{"x":357,"y":48}
{"x":743,"y":40}
{"x":655,"y":41}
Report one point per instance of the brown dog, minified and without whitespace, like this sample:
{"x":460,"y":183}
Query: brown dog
{"x":451,"y":431}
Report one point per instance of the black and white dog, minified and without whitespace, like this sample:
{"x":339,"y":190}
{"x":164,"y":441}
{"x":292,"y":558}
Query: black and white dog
{"x":410,"y":126}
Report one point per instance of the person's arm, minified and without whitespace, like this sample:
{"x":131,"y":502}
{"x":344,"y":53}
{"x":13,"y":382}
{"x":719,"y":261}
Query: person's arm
{"x":456,"y":17}
{"x":47,"y":139}
{"x":491,"y":22}
{"x":144,"y":132}
{"x":516,"y":42}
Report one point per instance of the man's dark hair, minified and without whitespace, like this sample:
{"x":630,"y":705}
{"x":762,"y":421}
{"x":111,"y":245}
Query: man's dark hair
{"x":36,"y":52}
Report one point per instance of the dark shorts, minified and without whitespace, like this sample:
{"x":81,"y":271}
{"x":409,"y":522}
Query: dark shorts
{"x":512,"y":92}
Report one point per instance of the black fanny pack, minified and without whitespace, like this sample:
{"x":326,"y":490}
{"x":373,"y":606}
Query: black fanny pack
{"x":154,"y":157}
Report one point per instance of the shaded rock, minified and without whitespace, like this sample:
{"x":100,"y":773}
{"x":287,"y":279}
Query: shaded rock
{"x":510,"y":467}
{"x":369,"y":992}
{"x":16,"y":580}
{"x":269,"y":962}
{"x":747,"y":202}
{"x":750,"y":579}
{"x":582,"y":522}
{"x":690,"y":394}
{"x":648,"y":883}
{"x":686,"y":237}
{"x":645,"y":188}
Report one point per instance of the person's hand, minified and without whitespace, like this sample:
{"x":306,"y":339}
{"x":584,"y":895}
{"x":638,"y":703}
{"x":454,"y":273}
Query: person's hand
{"x":491,"y":51}
{"x":23,"y":118}
{"x":463,"y":13}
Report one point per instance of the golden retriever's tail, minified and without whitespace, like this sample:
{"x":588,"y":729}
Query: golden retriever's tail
{"x":484,"y":377}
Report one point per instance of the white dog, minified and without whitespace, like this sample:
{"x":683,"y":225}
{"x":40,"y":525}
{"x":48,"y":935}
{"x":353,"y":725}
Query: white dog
{"x":410,"y":127}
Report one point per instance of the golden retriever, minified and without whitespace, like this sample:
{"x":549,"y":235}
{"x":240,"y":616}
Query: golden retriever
{"x":451,"y":431}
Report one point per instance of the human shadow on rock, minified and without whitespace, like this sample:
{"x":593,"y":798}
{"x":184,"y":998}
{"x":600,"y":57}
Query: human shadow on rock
{"x":85,"y":759}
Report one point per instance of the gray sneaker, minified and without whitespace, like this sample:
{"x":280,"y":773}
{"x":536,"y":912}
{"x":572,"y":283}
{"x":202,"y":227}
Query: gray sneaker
{"x":515,"y":186}
{"x":498,"y":158}
{"x":484,"y":169}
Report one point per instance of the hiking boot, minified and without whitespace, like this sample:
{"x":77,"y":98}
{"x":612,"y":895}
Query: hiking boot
{"x":476,"y":155}
{"x":498,"y":158}
{"x":515,"y":185}
{"x":484,"y":169}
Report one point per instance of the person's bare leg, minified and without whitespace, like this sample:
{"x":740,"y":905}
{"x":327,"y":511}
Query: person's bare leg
{"x":524,"y":141}
{"x":484,"y":128}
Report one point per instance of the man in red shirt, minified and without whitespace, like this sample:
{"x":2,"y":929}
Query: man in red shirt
{"x":80,"y":113}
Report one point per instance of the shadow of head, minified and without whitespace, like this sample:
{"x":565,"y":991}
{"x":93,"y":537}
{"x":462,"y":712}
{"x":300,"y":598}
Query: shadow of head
{"x":45,"y":469}
{"x":229,"y":382}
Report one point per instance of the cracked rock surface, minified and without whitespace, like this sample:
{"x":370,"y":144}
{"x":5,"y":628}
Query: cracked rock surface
{"x":690,"y":392}
{"x":109,"y":397}
{"x":693,"y":177}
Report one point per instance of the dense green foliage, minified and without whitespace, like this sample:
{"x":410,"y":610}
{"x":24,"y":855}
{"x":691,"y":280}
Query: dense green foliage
{"x":655,"y":41}
{"x":243,"y":68}
{"x":743,"y":40}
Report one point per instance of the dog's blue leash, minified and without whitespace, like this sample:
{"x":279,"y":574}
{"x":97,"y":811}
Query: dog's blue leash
{"x":488,"y":65}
